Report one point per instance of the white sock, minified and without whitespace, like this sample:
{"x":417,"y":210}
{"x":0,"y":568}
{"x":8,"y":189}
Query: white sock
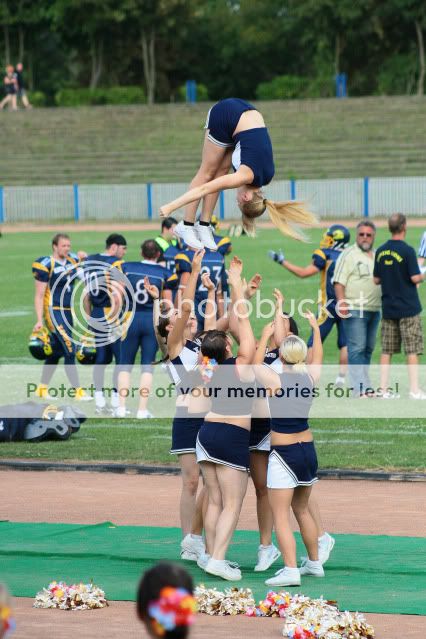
{"x":197,"y":537}
{"x":115,"y":399}
{"x":99,"y":399}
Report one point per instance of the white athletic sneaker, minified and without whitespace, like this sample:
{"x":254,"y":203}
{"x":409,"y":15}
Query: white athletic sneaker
{"x":313,"y":568}
{"x":223,"y":568}
{"x":203,"y":560}
{"x":187,"y":234}
{"x":120,"y":412}
{"x":340,"y":381}
{"x":419,"y":395}
{"x":144,"y":414}
{"x":192,"y":547}
{"x":266,"y":555}
{"x":285,"y":577}
{"x":325,"y":546}
{"x":205,"y":235}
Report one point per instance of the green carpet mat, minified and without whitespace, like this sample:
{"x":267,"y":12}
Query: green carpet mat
{"x":371,"y":573}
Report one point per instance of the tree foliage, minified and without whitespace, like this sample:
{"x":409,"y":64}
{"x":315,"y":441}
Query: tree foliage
{"x":233,"y":47}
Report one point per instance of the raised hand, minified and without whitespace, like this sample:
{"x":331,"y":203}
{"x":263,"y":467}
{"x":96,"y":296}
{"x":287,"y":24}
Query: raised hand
{"x":268,"y":330}
{"x":151,"y":289}
{"x":236,"y":265}
{"x":311,"y":319}
{"x":197,"y":259}
{"x":279,"y":299}
{"x":252,"y":286}
{"x":207,"y":283}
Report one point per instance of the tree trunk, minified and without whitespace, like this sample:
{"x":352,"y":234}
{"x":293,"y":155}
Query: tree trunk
{"x":21,"y":43}
{"x":30,"y":72}
{"x":97,"y":53}
{"x":6,"y":44}
{"x":337,"y":52}
{"x":148,"y":56}
{"x":421,"y":45}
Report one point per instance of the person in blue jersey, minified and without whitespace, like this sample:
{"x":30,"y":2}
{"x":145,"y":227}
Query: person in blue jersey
{"x":101,"y":307}
{"x":236,"y":136}
{"x":213,"y":264}
{"x":147,"y":281}
{"x":223,"y":242}
{"x":293,"y":464}
{"x":55,"y":276}
{"x":334,"y":241}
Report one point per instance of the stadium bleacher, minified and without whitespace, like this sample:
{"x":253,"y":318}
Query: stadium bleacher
{"x":374,"y":136}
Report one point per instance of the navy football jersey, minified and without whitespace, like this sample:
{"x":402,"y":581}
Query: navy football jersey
{"x":325,"y":261}
{"x":158,"y":275}
{"x":213,"y":263}
{"x":223,"y":244}
{"x":60,"y":276}
{"x":97,"y":276}
{"x":169,"y":257}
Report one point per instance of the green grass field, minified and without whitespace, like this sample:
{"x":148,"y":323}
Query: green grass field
{"x":348,"y":443}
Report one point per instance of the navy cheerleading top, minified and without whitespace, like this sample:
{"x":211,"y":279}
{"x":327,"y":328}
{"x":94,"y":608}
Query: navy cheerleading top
{"x":252,"y":147}
{"x":228,"y":393}
{"x":293,"y":399}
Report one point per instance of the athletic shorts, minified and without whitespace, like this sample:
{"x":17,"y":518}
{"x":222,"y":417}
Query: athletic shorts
{"x":224,"y":444}
{"x":260,"y":434}
{"x":292,"y":466}
{"x":185,"y":430}
{"x":222,"y":120}
{"x":140,"y":334}
{"x":408,"y":330}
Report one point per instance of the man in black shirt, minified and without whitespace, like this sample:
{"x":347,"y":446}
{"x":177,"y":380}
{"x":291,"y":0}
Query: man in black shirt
{"x":397,"y":271}
{"x":19,"y":75}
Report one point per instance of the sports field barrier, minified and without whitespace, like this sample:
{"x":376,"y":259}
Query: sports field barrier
{"x":343,"y":198}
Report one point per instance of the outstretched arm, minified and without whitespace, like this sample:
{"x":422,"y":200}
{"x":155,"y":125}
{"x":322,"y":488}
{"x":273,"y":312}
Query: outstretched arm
{"x":230,"y":181}
{"x":186,"y":306}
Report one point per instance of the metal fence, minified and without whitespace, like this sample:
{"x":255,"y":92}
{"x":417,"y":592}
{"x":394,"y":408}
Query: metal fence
{"x":343,"y":198}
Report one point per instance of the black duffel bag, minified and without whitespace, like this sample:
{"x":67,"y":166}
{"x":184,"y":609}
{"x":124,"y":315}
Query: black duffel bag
{"x":32,"y":421}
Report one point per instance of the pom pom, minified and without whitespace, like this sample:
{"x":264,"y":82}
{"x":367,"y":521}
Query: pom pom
{"x":75,"y":597}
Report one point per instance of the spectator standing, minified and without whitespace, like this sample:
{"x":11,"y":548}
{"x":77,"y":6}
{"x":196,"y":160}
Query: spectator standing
{"x":397,"y":270}
{"x":359,"y":303}
{"x":10,"y":89}
{"x":422,"y":253}
{"x":21,"y":93}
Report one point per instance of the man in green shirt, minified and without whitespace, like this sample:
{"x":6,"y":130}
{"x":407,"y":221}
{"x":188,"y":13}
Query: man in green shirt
{"x":359,"y":303}
{"x":167,"y":237}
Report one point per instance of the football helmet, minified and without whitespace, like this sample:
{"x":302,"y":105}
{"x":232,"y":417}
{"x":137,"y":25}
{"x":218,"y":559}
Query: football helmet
{"x":39,"y":344}
{"x":336,"y":236}
{"x":86,"y":351}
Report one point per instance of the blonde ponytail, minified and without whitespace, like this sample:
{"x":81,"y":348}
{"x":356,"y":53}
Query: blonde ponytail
{"x":289,"y":216}
{"x":286,"y":216}
{"x":294,"y":351}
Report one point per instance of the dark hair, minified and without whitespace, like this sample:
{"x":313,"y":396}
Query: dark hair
{"x":368,"y":223}
{"x":153,"y":581}
{"x":214,"y":345}
{"x":115,"y":238}
{"x":59,"y":236}
{"x":397,"y":222}
{"x":150,"y":249}
{"x":168,"y":222}
{"x":292,"y":324}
